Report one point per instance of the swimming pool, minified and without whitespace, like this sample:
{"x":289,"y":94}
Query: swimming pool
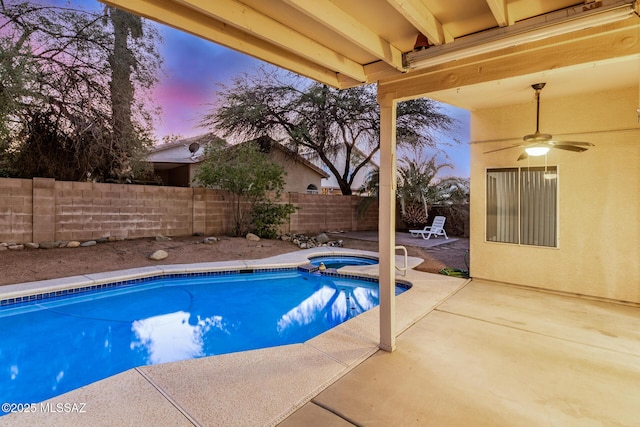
{"x":53,"y":345}
{"x":338,"y":261}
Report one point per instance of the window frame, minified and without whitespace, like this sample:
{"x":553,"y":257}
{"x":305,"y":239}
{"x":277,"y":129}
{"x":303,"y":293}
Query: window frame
{"x":518,"y":227}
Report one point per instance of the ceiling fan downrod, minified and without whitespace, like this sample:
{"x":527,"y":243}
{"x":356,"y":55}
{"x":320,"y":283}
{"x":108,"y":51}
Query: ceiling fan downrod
{"x":537,"y":136}
{"x":538,"y":88}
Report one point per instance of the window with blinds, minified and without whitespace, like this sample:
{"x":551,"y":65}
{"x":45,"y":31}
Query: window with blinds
{"x":522,"y":206}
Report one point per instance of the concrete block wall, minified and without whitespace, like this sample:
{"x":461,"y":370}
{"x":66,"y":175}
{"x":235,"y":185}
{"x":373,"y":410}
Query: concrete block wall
{"x":86,"y":210}
{"x":219,"y":216}
{"x":366,"y":222}
{"x":43,"y":210}
{"x":319,"y":213}
{"x":16,"y":210}
{"x":199,"y":208}
{"x":311,"y":216}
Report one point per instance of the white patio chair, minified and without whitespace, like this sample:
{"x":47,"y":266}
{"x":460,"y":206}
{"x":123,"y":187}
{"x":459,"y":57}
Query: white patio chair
{"x":436,"y":229}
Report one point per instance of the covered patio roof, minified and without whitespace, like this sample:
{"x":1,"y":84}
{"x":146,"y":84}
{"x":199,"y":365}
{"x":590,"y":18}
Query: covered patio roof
{"x":344,"y":43}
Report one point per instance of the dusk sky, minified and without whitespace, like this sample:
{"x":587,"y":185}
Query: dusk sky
{"x":192,"y":68}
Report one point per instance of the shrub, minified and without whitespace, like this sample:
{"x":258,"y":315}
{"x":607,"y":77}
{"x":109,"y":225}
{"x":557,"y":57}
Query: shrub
{"x":267,"y":216}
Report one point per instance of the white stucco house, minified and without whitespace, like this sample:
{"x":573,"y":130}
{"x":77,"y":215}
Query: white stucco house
{"x":176,"y":164}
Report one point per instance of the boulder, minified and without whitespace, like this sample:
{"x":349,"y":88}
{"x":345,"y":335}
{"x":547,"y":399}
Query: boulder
{"x":31,"y":245}
{"x":88,"y":243}
{"x":16,"y":247}
{"x":158,"y":255}
{"x":252,"y":237}
{"x":322,"y":238}
{"x":73,"y":244}
{"x":161,"y":238}
{"x":49,"y":245}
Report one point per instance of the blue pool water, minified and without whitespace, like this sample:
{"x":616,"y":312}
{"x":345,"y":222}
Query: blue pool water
{"x":334,"y":261}
{"x":57,"y":345}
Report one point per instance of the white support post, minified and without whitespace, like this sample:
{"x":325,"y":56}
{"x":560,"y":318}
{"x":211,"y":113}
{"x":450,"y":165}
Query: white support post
{"x":387,"y":221}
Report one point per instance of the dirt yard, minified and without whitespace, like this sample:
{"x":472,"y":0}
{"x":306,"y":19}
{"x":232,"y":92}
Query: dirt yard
{"x":39,"y":264}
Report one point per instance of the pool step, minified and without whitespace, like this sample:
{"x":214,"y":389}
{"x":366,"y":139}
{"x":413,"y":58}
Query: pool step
{"x":308,"y":268}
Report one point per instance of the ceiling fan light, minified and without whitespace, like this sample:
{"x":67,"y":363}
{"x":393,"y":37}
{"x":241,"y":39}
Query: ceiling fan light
{"x":537,"y":151}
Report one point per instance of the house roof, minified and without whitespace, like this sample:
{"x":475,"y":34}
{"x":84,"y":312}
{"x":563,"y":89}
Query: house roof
{"x":178,"y":152}
{"x":273,"y":144}
{"x":181,"y":151}
{"x":344,"y":43}
{"x":179,"y":143}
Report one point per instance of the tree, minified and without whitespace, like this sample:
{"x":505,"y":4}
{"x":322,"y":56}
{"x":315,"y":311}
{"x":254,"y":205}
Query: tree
{"x":415,"y":177}
{"x":247,"y":173}
{"x":419,"y":187}
{"x":122,"y":63}
{"x":69,"y":111}
{"x":320,"y":122}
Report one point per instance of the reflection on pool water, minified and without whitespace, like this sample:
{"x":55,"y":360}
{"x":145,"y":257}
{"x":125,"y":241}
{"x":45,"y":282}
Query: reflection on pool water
{"x":53,"y":346}
{"x":335,"y":261}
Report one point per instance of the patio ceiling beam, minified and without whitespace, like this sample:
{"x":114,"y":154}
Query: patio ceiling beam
{"x":594,"y":44}
{"x":331,"y":16}
{"x":188,"y":20}
{"x":379,"y":70}
{"x":252,"y":22}
{"x":425,"y":22}
{"x":499,"y":11}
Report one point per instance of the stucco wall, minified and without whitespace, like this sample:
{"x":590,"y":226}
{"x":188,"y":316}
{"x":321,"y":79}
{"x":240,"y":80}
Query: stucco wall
{"x":42,"y":210}
{"x":598,"y":251}
{"x":299,"y":176}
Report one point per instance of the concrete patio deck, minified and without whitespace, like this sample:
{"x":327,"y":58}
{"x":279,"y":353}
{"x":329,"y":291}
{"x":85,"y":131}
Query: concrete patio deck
{"x":402,"y":238}
{"x":496,"y":355}
{"x":469,"y":353}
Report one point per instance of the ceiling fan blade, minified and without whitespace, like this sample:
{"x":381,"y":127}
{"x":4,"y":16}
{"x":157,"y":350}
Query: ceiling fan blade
{"x":580,"y":143}
{"x":536,"y":138}
{"x":503,"y":148}
{"x":541,"y":142}
{"x":568,"y":147}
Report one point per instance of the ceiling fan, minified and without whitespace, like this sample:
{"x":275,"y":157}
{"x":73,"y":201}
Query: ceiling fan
{"x":538,"y":143}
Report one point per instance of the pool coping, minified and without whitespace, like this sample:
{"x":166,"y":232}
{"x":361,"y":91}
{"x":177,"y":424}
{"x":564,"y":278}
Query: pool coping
{"x":239,"y":381}
{"x":42,"y":289}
